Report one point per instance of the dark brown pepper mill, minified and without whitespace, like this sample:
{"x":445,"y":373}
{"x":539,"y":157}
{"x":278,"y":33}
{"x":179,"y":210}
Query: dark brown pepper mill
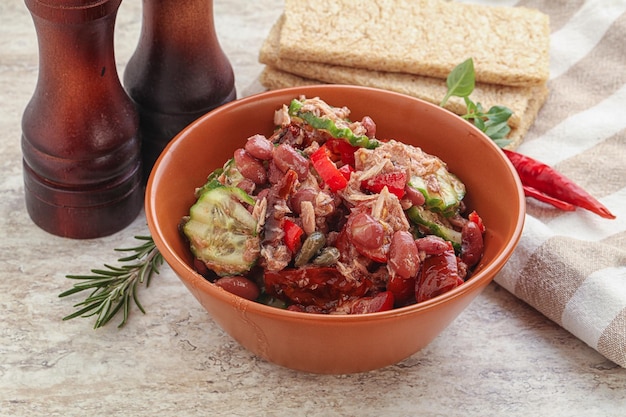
{"x":80,"y":143}
{"x":178,"y":71}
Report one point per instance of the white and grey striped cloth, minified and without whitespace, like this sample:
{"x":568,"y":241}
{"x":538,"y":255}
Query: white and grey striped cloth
{"x":571,"y":266}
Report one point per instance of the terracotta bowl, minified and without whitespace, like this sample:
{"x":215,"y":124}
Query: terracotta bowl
{"x":335,"y":343}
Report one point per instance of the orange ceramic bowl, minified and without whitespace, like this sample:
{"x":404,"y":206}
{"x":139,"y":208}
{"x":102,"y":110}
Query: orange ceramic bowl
{"x":335,"y":343}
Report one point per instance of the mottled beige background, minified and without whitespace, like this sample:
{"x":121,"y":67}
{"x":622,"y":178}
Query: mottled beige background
{"x":500,"y":357}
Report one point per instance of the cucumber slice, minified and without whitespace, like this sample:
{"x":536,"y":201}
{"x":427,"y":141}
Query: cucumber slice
{"x":436,"y":224}
{"x":221,"y":231}
{"x":445,"y":196}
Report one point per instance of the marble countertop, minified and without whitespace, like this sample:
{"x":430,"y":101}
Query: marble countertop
{"x":500,"y":357}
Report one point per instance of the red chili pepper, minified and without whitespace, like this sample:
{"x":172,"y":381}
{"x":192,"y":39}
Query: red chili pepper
{"x":328,"y":170}
{"x":547,"y":181}
{"x":536,"y":194}
{"x":395,"y":181}
{"x":293,"y":233}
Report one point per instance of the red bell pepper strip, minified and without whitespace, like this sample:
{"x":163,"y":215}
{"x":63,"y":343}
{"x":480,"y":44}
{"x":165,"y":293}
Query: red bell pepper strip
{"x":474,"y":217}
{"x":293,"y":234}
{"x":395,"y":181}
{"x":346,"y":171}
{"x":550,"y":182}
{"x":342,"y":148}
{"x":326,"y":168}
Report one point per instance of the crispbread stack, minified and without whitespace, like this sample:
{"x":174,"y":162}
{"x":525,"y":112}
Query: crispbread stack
{"x":410,"y":46}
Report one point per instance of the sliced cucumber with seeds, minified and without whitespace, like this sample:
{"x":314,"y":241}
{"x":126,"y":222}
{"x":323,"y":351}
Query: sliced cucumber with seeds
{"x":445,"y":196}
{"x":221,"y":231}
{"x":436,"y":224}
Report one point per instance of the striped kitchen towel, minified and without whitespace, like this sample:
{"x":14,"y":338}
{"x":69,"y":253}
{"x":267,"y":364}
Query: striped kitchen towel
{"x":571,"y":266}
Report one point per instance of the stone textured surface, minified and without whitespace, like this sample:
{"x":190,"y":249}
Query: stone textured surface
{"x":500,"y":357}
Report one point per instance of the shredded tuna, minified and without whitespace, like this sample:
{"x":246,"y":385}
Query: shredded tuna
{"x":281,"y":116}
{"x":258,"y":212}
{"x":392,"y":155}
{"x":307,"y":215}
{"x":275,"y":258}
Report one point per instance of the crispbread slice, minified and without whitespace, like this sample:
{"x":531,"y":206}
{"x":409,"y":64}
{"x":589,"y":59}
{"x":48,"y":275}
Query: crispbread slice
{"x":426,"y":88}
{"x":273,"y":78}
{"x":510,"y":45}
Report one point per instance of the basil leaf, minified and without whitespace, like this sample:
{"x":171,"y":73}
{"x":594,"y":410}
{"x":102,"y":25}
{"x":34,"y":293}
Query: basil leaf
{"x":502,"y":142}
{"x":479,"y":110}
{"x":471,"y":107}
{"x":494,"y":123}
{"x":480,"y":123}
{"x":499,"y":114}
{"x":497,"y":131}
{"x":461,"y":81}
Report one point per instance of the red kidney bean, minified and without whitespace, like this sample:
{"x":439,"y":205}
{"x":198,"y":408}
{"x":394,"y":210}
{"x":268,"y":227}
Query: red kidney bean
{"x":303,"y":194}
{"x":274,"y":174}
{"x":403,"y":290}
{"x":370,"y":126}
{"x":286,"y":157}
{"x":251,"y":168}
{"x":431,"y":245}
{"x":404,"y":258}
{"x":471,"y":244}
{"x":246,"y":185}
{"x":382,"y":301}
{"x":439,"y":274}
{"x":259,"y":147}
{"x":200,"y":266}
{"x":457,"y":220}
{"x":366,"y":231}
{"x":241,"y":286}
{"x":415,"y":197}
{"x":264,"y":193}
{"x":463,"y":269}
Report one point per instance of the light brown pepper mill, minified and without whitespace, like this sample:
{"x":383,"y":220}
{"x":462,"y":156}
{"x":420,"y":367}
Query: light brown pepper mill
{"x":80,"y":143}
{"x":178,"y":71}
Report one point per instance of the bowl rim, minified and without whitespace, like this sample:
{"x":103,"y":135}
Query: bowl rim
{"x":198,"y":281}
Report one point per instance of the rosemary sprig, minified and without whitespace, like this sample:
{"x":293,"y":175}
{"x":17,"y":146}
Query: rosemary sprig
{"x":113,"y":288}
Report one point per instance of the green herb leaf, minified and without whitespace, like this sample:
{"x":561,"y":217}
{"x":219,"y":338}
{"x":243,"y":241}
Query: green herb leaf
{"x":471,"y":107}
{"x":499,"y":114}
{"x":461,"y":81}
{"x":502,"y":142}
{"x":494,"y":123}
{"x":496,"y":131}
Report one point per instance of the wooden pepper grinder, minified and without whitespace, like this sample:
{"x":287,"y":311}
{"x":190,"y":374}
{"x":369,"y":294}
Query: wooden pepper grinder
{"x":178,"y":71}
{"x":80,"y":143}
